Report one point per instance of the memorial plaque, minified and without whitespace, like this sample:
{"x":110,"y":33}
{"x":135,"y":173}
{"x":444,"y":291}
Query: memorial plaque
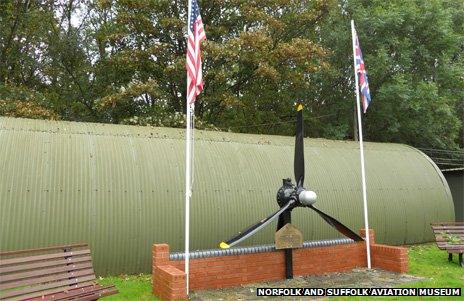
{"x":288,"y":237}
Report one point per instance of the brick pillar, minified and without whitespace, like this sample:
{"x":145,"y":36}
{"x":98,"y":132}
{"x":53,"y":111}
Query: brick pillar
{"x":160,"y":255}
{"x":362,"y":232}
{"x":169,"y":283}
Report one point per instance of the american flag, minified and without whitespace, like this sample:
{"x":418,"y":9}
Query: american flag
{"x":196,"y":35}
{"x":362,"y":75}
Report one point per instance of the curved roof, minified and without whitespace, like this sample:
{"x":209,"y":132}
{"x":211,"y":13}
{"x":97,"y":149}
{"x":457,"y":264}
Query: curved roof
{"x":121,"y":188}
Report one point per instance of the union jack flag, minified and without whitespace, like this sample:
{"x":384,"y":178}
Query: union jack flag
{"x":196,"y":35}
{"x":362,"y":75}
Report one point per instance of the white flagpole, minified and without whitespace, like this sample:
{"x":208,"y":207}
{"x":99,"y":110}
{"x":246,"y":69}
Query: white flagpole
{"x":188,"y":161}
{"x":361,"y":148}
{"x":187,"y":193}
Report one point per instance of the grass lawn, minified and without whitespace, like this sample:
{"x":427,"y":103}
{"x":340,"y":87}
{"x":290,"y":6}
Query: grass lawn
{"x":130,"y":287}
{"x":424,"y":260}
{"x":430,"y":262}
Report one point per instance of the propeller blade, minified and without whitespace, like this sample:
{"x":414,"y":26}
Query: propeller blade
{"x":281,"y":222}
{"x":284,"y":218}
{"x":298,"y":161}
{"x":337,"y":225}
{"x":254,"y":228}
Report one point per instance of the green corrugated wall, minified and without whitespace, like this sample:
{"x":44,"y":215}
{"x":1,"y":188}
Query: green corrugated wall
{"x":121,"y":188}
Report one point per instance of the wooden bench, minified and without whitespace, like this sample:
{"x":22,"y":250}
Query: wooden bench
{"x":54,"y":273}
{"x":450,"y":237}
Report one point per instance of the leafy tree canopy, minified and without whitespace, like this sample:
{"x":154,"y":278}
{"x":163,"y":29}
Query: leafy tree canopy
{"x":124,"y":62}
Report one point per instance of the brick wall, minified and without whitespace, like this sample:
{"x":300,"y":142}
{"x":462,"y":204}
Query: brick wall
{"x":389,"y":258}
{"x":224,"y":271}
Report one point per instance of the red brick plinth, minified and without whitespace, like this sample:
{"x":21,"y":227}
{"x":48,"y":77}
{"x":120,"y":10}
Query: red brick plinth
{"x":169,"y":281}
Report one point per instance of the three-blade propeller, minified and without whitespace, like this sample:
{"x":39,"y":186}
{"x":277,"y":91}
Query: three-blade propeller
{"x":290,"y":196}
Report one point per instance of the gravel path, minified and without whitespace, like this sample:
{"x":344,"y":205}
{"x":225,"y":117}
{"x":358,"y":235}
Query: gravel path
{"x":355,"y":278}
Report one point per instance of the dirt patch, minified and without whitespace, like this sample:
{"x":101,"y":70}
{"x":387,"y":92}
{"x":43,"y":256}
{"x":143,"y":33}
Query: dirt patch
{"x":354,"y":278}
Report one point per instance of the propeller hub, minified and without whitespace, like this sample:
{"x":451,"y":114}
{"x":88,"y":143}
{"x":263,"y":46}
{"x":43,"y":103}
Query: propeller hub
{"x":288,"y":192}
{"x":307,"y":197}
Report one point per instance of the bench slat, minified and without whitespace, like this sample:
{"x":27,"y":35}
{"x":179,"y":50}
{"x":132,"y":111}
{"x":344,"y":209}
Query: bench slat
{"x":89,"y":297}
{"x":53,"y":273}
{"x":451,"y":250}
{"x":444,"y":229}
{"x":445,"y":245}
{"x":46,"y":279}
{"x":43,"y":287}
{"x":14,"y":278}
{"x":441,"y":238}
{"x":42,"y":264}
{"x":453,"y":246}
{"x":447,"y":223}
{"x":22,"y":260}
{"x":453,"y":233}
{"x":450,"y":246}
{"x":438,"y":228}
{"x":449,"y":234}
{"x":40,"y":294}
{"x":81,"y":292}
{"x":42,"y":272}
{"x":17,"y":252}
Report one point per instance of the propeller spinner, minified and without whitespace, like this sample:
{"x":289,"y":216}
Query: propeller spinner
{"x":290,"y":196}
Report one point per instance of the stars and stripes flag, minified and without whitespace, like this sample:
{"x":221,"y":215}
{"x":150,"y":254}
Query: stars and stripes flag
{"x":196,"y":34}
{"x":362,"y":75}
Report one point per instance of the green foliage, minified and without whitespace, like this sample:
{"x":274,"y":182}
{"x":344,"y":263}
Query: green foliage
{"x":415,"y":56}
{"x":124,"y":62}
{"x":413,"y":52}
{"x":22,"y":102}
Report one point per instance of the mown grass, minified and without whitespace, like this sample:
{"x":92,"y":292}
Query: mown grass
{"x":428,"y":261}
{"x":431,"y":263}
{"x":424,"y":260}
{"x":131,"y":287}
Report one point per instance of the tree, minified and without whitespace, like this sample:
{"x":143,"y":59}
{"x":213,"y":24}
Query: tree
{"x":257,"y":59}
{"x":43,"y":57}
{"x":124,"y":62}
{"x":414,"y":56}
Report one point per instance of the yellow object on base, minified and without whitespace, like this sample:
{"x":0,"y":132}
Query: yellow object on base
{"x":300,"y":107}
{"x":223,"y":245}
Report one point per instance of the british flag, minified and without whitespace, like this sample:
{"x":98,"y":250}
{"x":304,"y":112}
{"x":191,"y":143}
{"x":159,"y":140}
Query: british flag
{"x":362,"y":75}
{"x":196,"y":35}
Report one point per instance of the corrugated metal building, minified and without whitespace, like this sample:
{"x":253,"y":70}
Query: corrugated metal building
{"x":120,"y":188}
{"x":455,"y":179}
